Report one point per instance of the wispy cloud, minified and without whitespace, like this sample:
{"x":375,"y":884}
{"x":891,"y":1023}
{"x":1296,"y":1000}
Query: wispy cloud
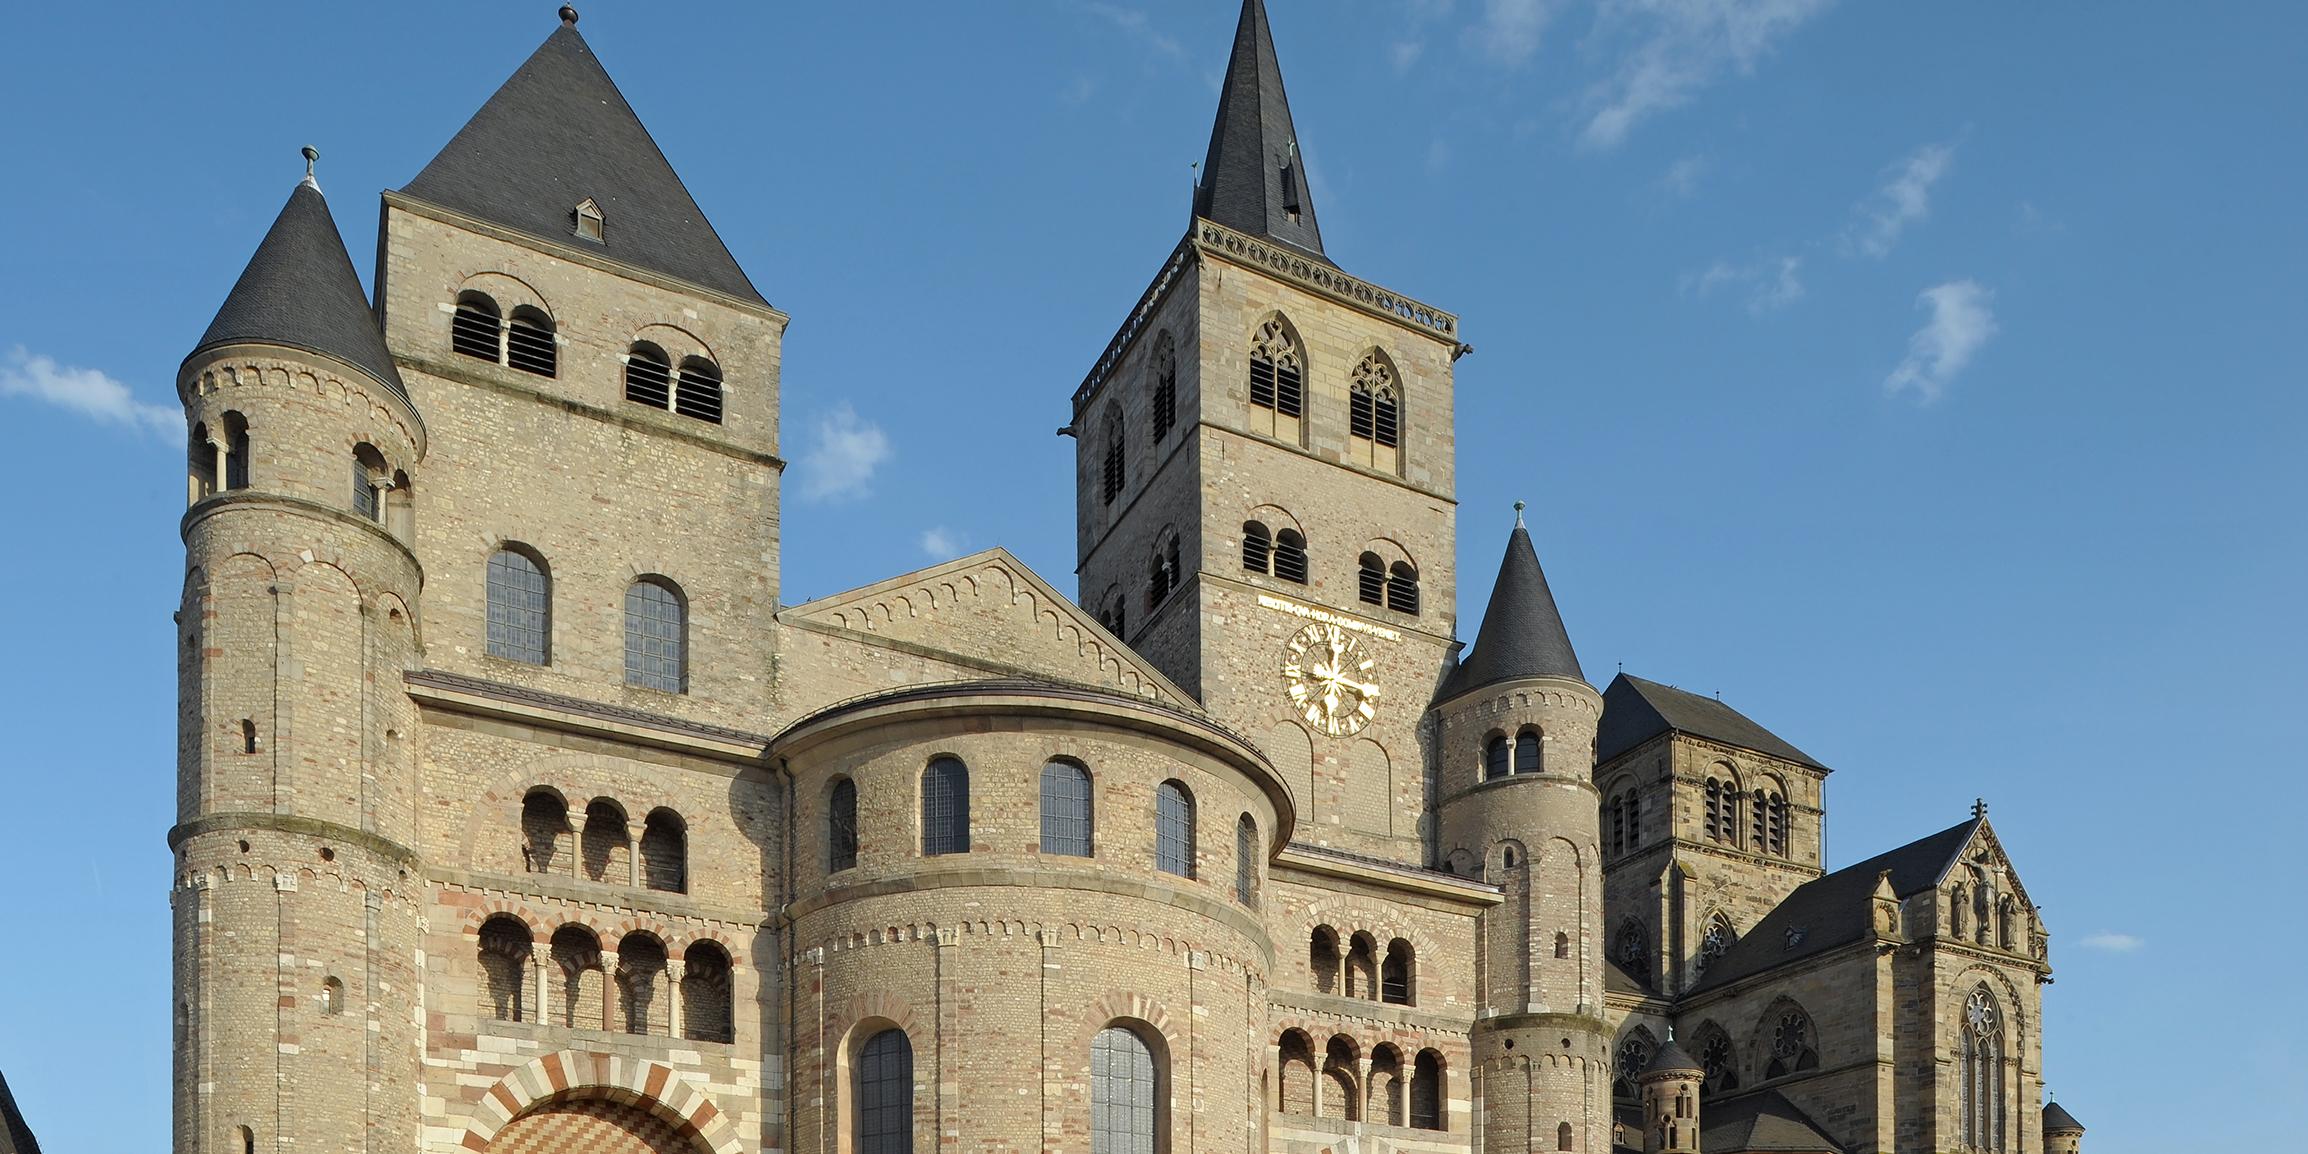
{"x":86,"y":392}
{"x":1768,"y":284}
{"x":1903,"y":199}
{"x":1139,"y":27}
{"x":2111,"y":942}
{"x":841,"y":458}
{"x":1404,"y":53}
{"x":941,"y":543}
{"x":1509,"y":31}
{"x":1961,"y":321}
{"x":1682,"y":177}
{"x":1680,"y":47}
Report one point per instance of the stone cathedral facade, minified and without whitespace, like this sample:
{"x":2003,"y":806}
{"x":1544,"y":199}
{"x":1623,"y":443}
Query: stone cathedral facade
{"x":517,"y":813}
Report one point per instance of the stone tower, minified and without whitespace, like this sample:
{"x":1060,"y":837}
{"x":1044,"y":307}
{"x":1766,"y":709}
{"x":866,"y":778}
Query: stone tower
{"x":1670,"y":1087}
{"x":296,"y":929}
{"x":1514,"y":745}
{"x":1265,"y":488}
{"x":2062,"y":1133}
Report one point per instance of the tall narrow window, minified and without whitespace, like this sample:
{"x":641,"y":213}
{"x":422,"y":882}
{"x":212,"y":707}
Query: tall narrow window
{"x":1370,"y":579}
{"x":945,"y":807}
{"x":1723,"y":811}
{"x":365,"y":502}
{"x":1277,"y":381}
{"x":656,"y":637}
{"x":1110,"y":464}
{"x":1394,"y":975}
{"x":1388,"y":420}
{"x":1426,"y":1091}
{"x":1066,"y":809}
{"x":698,"y":394}
{"x":1257,"y":548}
{"x":1290,"y":556}
{"x":1165,"y":386}
{"x":476,"y":329}
{"x":1246,"y":860}
{"x":504,"y":955}
{"x":841,"y":826}
{"x":1527,"y":758}
{"x":1361,"y":410}
{"x":1125,"y":1094}
{"x":1402,"y":588}
{"x":1174,"y":829}
{"x":1498,"y":758}
{"x":236,"y":451}
{"x":520,"y":607}
{"x":1163,"y":577}
{"x":529,"y":342}
{"x":665,"y":852}
{"x":705,"y":994}
{"x":544,"y":832}
{"x":603,"y":846}
{"x":884,"y":1094}
{"x":648,"y":376}
{"x":640,"y":967}
{"x":1322,"y":959}
{"x":1980,"y":1076}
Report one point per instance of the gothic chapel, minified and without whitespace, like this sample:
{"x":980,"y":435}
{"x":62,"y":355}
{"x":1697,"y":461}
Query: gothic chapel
{"x":517,"y":814}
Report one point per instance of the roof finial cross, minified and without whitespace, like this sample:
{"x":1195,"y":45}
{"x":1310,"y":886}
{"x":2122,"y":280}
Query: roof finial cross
{"x":312,"y":157}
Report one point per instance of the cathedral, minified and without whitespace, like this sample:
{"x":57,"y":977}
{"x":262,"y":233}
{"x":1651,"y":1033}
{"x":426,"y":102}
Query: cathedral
{"x":518,"y":814}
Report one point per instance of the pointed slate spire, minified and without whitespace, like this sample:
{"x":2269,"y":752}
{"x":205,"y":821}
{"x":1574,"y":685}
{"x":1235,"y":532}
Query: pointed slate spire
{"x":300,"y":291}
{"x":1254,"y":179}
{"x":559,"y":133}
{"x":1522,"y":633}
{"x":2057,"y":1120}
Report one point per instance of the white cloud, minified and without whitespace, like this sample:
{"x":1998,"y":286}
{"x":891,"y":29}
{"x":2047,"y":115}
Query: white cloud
{"x":1903,"y":199}
{"x":840,"y":463}
{"x":2111,"y":941}
{"x":1682,"y":177}
{"x":1509,"y":30}
{"x":1770,"y":284}
{"x":1405,"y":53}
{"x":86,"y":392}
{"x":1134,"y":22}
{"x":941,"y":543}
{"x":1683,"y":46}
{"x":1960,"y":323}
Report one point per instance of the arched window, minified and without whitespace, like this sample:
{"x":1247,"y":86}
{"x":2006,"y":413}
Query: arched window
{"x":1295,"y":1064}
{"x":1715,"y":942}
{"x":477,"y":329}
{"x":1174,"y":829}
{"x":1111,"y":615}
{"x":1385,"y":1086}
{"x":1257,"y":548}
{"x":1426,"y":1091}
{"x":1718,"y":1063}
{"x":1374,"y":415}
{"x":1162,"y":575}
{"x":1562,"y":944}
{"x":1498,"y":757}
{"x":1370,"y":579}
{"x":529,"y":343}
{"x":1622,"y":821}
{"x":247,"y":1140}
{"x":544,"y":832}
{"x":1165,"y":385}
{"x":520,"y":607}
{"x":1362,"y":967}
{"x":1246,"y":860}
{"x":945,"y":807}
{"x":1066,"y":809}
{"x":1631,"y":948}
{"x":1110,"y":462}
{"x":1770,"y":811}
{"x":698,"y":393}
{"x":664,"y":852}
{"x":1634,"y":1055}
{"x":1126,"y":1094}
{"x":371,"y":476}
{"x":705,"y":994}
{"x":1322,"y":959}
{"x":1394,"y":976}
{"x":1290,"y":556}
{"x":640,"y":967}
{"x":1722,"y":810}
{"x":201,"y":459}
{"x":1340,"y":1095}
{"x":332,"y":995}
{"x":656,"y":636}
{"x":1563,"y":1136}
{"x":1402,"y":588}
{"x":1980,"y":1076}
{"x":648,"y":376}
{"x":504,"y":954}
{"x":236,"y":451}
{"x":841,"y":826}
{"x":884,"y":1094}
{"x":577,"y":978}
{"x":1527,"y":759}
{"x":1791,"y":1045}
{"x":606,"y":843}
{"x":1277,"y":379}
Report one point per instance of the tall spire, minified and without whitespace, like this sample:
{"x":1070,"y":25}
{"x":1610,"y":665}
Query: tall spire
{"x":1254,"y":179}
{"x":1522,"y":633}
{"x":300,"y":291}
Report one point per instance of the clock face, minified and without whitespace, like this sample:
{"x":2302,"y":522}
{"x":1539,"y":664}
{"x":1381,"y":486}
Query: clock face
{"x":1329,"y":680}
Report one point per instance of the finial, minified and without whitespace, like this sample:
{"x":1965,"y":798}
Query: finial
{"x":1979,"y":807}
{"x":1518,"y":514}
{"x":312,"y":157}
{"x":569,"y":15}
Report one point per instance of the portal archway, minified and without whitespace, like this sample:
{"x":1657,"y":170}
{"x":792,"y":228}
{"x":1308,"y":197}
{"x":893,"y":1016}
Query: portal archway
{"x":642,"y":1107}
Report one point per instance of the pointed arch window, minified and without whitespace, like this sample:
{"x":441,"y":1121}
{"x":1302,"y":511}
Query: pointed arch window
{"x":1290,"y":556}
{"x":1980,"y":1073}
{"x":1110,"y":462}
{"x":1718,"y":1063}
{"x":648,"y":376}
{"x":698,"y":393}
{"x":1631,"y":948}
{"x":1257,"y":548}
{"x":1066,"y":809}
{"x":1165,"y":385}
{"x":1715,"y":942}
{"x":1174,"y":829}
{"x":1634,"y":1055}
{"x":1277,"y":373}
{"x":520,"y":606}
{"x":656,"y":636}
{"x":884,"y":1093}
{"x":1374,"y":414}
{"x":1792,"y":1045}
{"x":841,"y":826}
{"x":945,"y":807}
{"x":1370,"y":579}
{"x":1126,"y":1094}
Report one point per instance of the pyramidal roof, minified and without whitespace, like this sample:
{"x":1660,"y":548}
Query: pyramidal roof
{"x":1522,"y":634}
{"x":559,"y":133}
{"x":1253,"y":179}
{"x":300,"y":290}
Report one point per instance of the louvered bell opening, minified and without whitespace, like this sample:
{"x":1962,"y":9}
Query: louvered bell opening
{"x":529,"y":347}
{"x":1370,"y":581}
{"x":1262,"y":382}
{"x":1290,"y":558}
{"x":1257,"y":551}
{"x":473,"y":331}
{"x":648,"y":381}
{"x":1289,"y":391}
{"x":1387,"y":420}
{"x":700,"y":393}
{"x":1360,"y":418}
{"x":1402,"y":590}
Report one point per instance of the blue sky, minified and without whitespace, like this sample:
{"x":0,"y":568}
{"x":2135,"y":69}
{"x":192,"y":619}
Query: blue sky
{"x":1925,"y":378}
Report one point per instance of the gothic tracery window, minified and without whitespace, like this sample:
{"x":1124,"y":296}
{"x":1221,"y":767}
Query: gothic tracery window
{"x":1634,"y":1054}
{"x":1718,"y":1063}
{"x":1277,"y":379}
{"x":1792,"y":1047}
{"x":1165,"y":386}
{"x":1374,"y":414}
{"x":1980,"y":1078}
{"x":1631,"y":948}
{"x":1715,"y":943}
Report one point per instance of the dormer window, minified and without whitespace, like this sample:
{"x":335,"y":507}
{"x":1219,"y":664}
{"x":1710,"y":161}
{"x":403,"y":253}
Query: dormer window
{"x":588,"y":219}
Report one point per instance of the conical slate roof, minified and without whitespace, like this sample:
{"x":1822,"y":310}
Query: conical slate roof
{"x":15,"y":1136}
{"x":1673,"y":1057}
{"x":1522,"y":634}
{"x":1254,"y":179}
{"x":559,"y":133}
{"x":300,"y":290}
{"x":2057,"y":1119}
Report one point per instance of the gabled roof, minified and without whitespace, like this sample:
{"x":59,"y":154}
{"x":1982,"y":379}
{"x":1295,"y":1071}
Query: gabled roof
{"x":300,"y":291}
{"x":1254,"y":148}
{"x":1764,"y":1122}
{"x":1635,"y":711}
{"x":15,"y":1136}
{"x":1835,"y":910}
{"x":2057,"y":1118}
{"x":559,"y":132}
{"x":1522,"y":633}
